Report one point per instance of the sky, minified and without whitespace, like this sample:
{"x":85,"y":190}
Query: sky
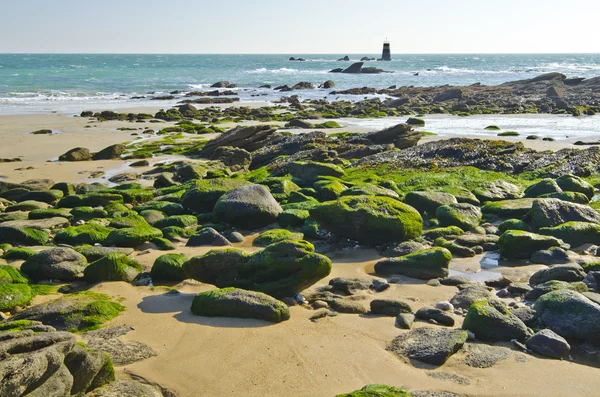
{"x":298,"y":27}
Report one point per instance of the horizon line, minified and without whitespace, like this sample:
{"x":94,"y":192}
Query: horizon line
{"x":296,"y":54}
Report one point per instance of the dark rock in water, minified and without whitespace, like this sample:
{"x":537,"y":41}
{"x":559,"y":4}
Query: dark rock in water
{"x":437,"y":315}
{"x":233,"y":302}
{"x":248,"y":207}
{"x":549,"y":344}
{"x":389,"y":307}
{"x":110,"y":153}
{"x":303,"y":85}
{"x":553,"y":212}
{"x":569,"y":314}
{"x":429,"y":345}
{"x":328,"y":84}
{"x":207,"y":237}
{"x":336,"y":70}
{"x":492,"y":321}
{"x":55,"y":264}
{"x":223,"y":84}
{"x":354,"y":68}
{"x":250,"y":138}
{"x":282,"y":269}
{"x":423,"y":265}
{"x":569,"y":273}
{"x":346,"y":58}
{"x":76,"y":154}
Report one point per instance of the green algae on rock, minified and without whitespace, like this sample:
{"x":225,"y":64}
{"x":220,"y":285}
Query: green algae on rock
{"x":425,"y":264}
{"x":169,"y":267}
{"x":377,"y":391}
{"x":234,"y":302}
{"x":85,"y":234}
{"x":274,"y":236}
{"x":492,"y":321}
{"x":112,"y":267}
{"x":13,"y":295}
{"x":518,"y":244}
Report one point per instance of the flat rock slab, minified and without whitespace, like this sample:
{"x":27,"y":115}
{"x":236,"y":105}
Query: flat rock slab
{"x":484,"y":356}
{"x":41,"y":224}
{"x":429,"y":345}
{"x":121,"y":353}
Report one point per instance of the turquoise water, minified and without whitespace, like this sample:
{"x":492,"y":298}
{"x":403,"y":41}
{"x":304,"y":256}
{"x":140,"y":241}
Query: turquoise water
{"x":75,"y":82}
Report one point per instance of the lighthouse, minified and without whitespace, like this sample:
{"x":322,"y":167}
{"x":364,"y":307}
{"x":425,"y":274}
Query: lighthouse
{"x":386,"y":55}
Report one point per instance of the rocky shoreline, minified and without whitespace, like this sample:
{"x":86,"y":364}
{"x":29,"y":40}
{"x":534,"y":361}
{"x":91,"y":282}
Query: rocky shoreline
{"x":253,"y":221}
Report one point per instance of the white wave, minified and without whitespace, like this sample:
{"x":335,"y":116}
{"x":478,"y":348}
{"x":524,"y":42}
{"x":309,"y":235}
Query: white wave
{"x":558,"y":66}
{"x":285,"y":71}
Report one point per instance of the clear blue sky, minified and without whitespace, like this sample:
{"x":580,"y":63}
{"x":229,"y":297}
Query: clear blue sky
{"x":300,"y":26}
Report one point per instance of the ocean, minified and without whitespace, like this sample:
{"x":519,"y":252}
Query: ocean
{"x":70,"y":83}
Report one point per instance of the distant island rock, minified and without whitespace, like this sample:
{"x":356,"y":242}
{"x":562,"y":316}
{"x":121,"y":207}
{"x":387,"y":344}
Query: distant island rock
{"x":357,"y":68}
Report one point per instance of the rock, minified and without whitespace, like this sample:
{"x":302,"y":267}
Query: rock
{"x":274,"y":236}
{"x":516,"y":244}
{"x":423,"y":265}
{"x":29,"y":205}
{"x":389,"y":307}
{"x":328,"y":84}
{"x":507,"y":209}
{"x":207,"y":237}
{"x":204,"y":194}
{"x":233,"y":302}
{"x":293,"y":218}
{"x":131,"y":236}
{"x":236,"y":159}
{"x":377,"y":391}
{"x":350,"y":286}
{"x":553,"y":212}
{"x":437,"y":315}
{"x":236,"y":237}
{"x":17,"y":235}
{"x":298,"y":267}
{"x":401,"y":136}
{"x":569,"y":273}
{"x":497,"y":191}
{"x":249,"y":207}
{"x":347,"y":306}
{"x":38,"y":224}
{"x":574,"y":233}
{"x":492,"y":321}
{"x":111,"y":152}
{"x":470,"y":294}
{"x":85,"y":234}
{"x":76,"y":154}
{"x":405,"y":320}
{"x":132,"y":388}
{"x":482,"y":356}
{"x":464,"y":215}
{"x":249,"y":138}
{"x":545,"y":186}
{"x":223,"y":84}
{"x":450,"y":232}
{"x":570,"y":314}
{"x":571,"y":183}
{"x":553,"y":256}
{"x":73,"y":312}
{"x":94,"y":253}
{"x":405,"y":248}
{"x":90,"y":369}
{"x":369,"y":219}
{"x":554,"y":285}
{"x":14,"y":295}
{"x":354,"y":68}
{"x":311,"y":171}
{"x":113,"y":267}
{"x":448,"y":95}
{"x":169,"y":267}
{"x":59,"y":263}
{"x":429,"y":345}
{"x":428,"y":202}
{"x":549,"y":344}
{"x":121,"y":353}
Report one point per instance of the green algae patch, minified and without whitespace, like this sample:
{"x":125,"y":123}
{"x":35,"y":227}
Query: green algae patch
{"x":112,"y":267}
{"x":169,"y":267}
{"x":274,"y":236}
{"x":378,"y":391}
{"x":13,"y":295}
{"x":88,"y":233}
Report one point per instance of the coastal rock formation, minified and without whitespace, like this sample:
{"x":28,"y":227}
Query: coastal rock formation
{"x":429,"y":345}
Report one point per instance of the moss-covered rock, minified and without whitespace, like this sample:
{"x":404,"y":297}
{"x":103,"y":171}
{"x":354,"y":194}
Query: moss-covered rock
{"x":368,"y":189}
{"x":573,"y":197}
{"x":233,"y":302}
{"x":314,"y":230}
{"x":169,"y":267}
{"x":58,"y":263}
{"x":454,"y":248}
{"x":280,"y":188}
{"x":370,"y":219}
{"x":29,"y":205}
{"x":170,"y":209}
{"x":93,"y":199}
{"x":50,"y":213}
{"x":13,"y":254}
{"x":174,"y":233}
{"x":128,"y":220}
{"x":85,"y":234}
{"x":428,"y":202}
{"x":247,"y":207}
{"x":281,"y":269}
{"x":377,"y":391}
{"x":574,"y":233}
{"x":512,"y":224}
{"x":92,"y":254}
{"x":518,"y":244}
{"x":87,"y":213}
{"x":570,"y":272}
{"x":571,"y":183}
{"x":75,"y":312}
{"x":90,"y":369}
{"x":152,"y":216}
{"x":293,"y":218}
{"x":554,"y":212}
{"x":274,"y":236}
{"x":544,"y":186}
{"x":464,"y":215}
{"x":204,"y":194}
{"x":311,"y":171}
{"x":497,"y":191}
{"x":569,"y":314}
{"x":178,"y":221}
{"x":12,"y":275}
{"x":163,"y":244}
{"x":425,"y":264}
{"x":508,"y":209}
{"x":555,"y":285}
{"x":492,"y":321}
{"x":438,"y":232}
{"x":112,"y":267}
{"x":13,"y":295}
{"x":131,"y":237}
{"x":329,"y":189}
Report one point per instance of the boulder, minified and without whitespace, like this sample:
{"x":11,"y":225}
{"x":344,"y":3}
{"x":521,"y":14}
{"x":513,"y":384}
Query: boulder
{"x":571,"y":183}
{"x":435,"y":315}
{"x":94,"y":253}
{"x":354,"y":68}
{"x":545,"y":186}
{"x":247,"y":207}
{"x":236,"y":159}
{"x":554,"y":285}
{"x":428,"y":202}
{"x":470,"y":294}
{"x":274,"y":236}
{"x":389,"y":307}
{"x":90,"y":233}
{"x":549,"y":344}
{"x":569,"y":273}
{"x":250,"y":138}
{"x":464,"y":215}
{"x":570,"y":314}
{"x":574,"y":233}
{"x":131,"y":236}
{"x":554,"y":212}
{"x":429,"y":345}
{"x":311,"y":171}
{"x":508,"y":209}
{"x":280,"y":270}
{"x":497,"y":191}
{"x":111,"y":152}
{"x":554,"y":256}
{"x":517,"y":244}
{"x":401,"y":136}
{"x":76,"y":154}
{"x":369,"y":219}
{"x":423,"y":265}
{"x":207,"y":237}
{"x":169,"y":267}
{"x":58,"y":263}
{"x":14,"y":295}
{"x":492,"y":321}
{"x":112,"y":267}
{"x":234,"y":302}
{"x":204,"y":194}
